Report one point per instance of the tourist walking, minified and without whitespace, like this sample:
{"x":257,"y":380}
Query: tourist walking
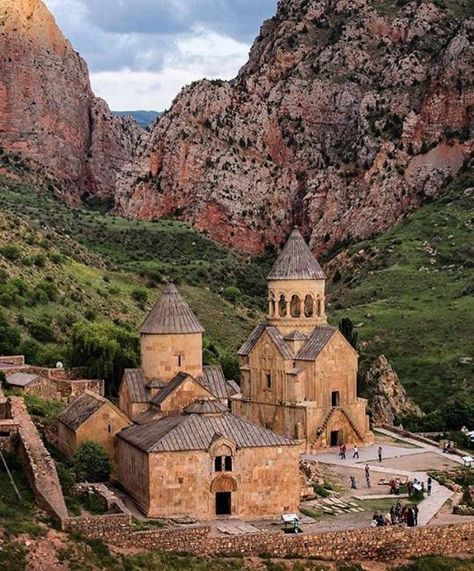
{"x":429,"y":484}
{"x":343,"y":448}
{"x":397,"y":487}
{"x":367,"y":475}
{"x":356,"y":452}
{"x":380,"y":453}
{"x":410,"y":517}
{"x":353,"y":483}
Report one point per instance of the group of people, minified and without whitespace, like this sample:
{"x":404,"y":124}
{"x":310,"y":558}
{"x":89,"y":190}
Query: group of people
{"x":398,"y":515}
{"x":355,"y":452}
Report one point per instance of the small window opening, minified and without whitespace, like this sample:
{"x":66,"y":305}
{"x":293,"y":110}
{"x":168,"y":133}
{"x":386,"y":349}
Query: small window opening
{"x":218,"y":464}
{"x":335,"y":398}
{"x":228,"y":463}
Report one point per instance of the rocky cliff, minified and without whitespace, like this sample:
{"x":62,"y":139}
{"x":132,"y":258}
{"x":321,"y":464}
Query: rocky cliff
{"x":388,"y":399}
{"x":48,"y":112}
{"x":348,"y":114}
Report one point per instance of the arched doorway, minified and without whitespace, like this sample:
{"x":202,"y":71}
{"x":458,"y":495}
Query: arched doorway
{"x":223,"y":486}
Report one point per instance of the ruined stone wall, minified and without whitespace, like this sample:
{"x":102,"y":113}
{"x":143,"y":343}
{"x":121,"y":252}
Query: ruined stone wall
{"x":382,"y":544}
{"x":38,"y":465}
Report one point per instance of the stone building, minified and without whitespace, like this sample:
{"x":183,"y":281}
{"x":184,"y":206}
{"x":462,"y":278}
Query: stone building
{"x":90,"y":417}
{"x":299,"y":375}
{"x":205,"y":462}
{"x":171,"y":344}
{"x":49,"y":383}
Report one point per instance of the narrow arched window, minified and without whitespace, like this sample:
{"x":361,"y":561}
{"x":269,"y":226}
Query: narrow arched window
{"x":309,"y":306}
{"x":282,"y":306}
{"x":272,"y":304}
{"x":295,"y":306}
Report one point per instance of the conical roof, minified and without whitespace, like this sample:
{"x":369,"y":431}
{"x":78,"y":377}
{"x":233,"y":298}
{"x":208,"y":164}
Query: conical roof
{"x":296,"y":261}
{"x":171,"y":314}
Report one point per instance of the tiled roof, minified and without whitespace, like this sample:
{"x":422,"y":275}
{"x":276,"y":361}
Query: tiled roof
{"x":136,"y":384}
{"x":296,"y":261}
{"x":196,"y":431}
{"x":279,"y":342}
{"x":146,"y":416}
{"x":21,"y":379}
{"x":234,"y":387}
{"x":173,"y":385}
{"x":295,"y":336}
{"x":213,"y":378}
{"x":81,"y":408}
{"x":252,"y":339}
{"x":274,"y":334}
{"x":171,"y":314}
{"x":203,"y":406}
{"x":316,"y":343}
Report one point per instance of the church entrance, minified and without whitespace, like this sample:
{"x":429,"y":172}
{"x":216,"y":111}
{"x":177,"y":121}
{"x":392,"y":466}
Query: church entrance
{"x":223,"y":503}
{"x":336,"y":437}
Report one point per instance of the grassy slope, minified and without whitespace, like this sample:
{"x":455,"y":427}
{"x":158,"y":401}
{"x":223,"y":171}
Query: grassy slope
{"x":411,"y":293}
{"x":97,"y":278}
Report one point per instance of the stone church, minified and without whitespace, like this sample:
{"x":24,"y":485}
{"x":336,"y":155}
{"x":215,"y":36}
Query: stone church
{"x":299,"y":375}
{"x":186,"y":454}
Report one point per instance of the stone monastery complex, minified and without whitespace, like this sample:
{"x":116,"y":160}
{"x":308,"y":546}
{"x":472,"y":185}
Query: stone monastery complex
{"x":185,"y":441}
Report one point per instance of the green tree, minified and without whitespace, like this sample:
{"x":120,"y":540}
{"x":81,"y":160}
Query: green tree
{"x":102,"y":350}
{"x":346,"y":327}
{"x":9,"y":337}
{"x":232,"y":294}
{"x":91,"y":462}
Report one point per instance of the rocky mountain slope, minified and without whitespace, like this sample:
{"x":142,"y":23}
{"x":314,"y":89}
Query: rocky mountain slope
{"x":47,"y":109}
{"x":348,"y":114}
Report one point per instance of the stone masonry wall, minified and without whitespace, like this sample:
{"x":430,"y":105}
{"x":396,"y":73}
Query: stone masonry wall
{"x":38,"y":465}
{"x":383,"y":544}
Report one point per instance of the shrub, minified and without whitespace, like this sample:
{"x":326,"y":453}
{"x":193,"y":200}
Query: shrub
{"x":9,"y":337}
{"x":232,"y":294}
{"x":91,"y":462}
{"x":11,"y":252}
{"x":140,"y":295}
{"x":41,"y":331}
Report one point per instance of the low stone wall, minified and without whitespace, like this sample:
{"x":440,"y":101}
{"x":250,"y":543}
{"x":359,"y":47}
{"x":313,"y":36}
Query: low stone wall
{"x":37,"y":463}
{"x":382,"y":544}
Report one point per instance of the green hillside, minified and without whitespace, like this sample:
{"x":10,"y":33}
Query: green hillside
{"x":411,"y":293}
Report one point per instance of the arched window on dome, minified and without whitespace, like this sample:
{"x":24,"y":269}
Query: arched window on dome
{"x":282,"y":306}
{"x":309,"y":306}
{"x":319,"y":306}
{"x":271,"y":304}
{"x":295,"y":306}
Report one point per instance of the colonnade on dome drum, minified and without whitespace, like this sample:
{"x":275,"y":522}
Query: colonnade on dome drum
{"x":285,"y":305}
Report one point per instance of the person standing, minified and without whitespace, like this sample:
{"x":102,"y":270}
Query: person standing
{"x":343,"y":448}
{"x":353,"y":483}
{"x":415,"y":513}
{"x":367,"y":475}
{"x":356,"y":452}
{"x":428,"y":485}
{"x":380,"y":453}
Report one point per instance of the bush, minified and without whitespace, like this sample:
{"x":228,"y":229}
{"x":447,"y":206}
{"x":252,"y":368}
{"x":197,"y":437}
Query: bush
{"x":232,"y":294}
{"x":91,"y":462}
{"x":140,"y":295}
{"x":41,"y":331}
{"x":9,"y":337}
{"x":11,"y":252}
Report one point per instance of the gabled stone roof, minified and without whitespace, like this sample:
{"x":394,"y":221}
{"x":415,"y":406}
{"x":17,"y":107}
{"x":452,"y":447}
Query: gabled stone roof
{"x":190,"y":431}
{"x":319,"y":338}
{"x":174,"y":384}
{"x":296,"y":261}
{"x":171,"y":314}
{"x":214,"y":379}
{"x":273,"y":333}
{"x":203,"y":406}
{"x":136,"y":385}
{"x":81,"y":408}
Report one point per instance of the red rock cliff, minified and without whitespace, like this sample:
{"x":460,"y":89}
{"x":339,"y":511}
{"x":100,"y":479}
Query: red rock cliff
{"x":344,"y":118}
{"x":48,"y":112}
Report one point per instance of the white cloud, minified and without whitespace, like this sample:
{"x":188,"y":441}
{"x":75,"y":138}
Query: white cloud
{"x":201,"y":55}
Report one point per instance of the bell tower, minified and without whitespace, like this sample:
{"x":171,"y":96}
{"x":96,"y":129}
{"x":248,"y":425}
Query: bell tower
{"x":296,"y":289}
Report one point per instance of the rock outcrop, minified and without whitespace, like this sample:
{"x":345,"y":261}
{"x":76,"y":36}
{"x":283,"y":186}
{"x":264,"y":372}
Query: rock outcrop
{"x":348,"y":114}
{"x":48,"y":112}
{"x":388,"y":399}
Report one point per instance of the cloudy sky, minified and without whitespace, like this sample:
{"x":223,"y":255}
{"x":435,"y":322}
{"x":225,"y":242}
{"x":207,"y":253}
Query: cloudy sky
{"x":141,"y":52}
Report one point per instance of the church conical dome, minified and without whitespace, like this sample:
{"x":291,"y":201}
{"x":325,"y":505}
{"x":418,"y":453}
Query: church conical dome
{"x":296,"y":261}
{"x":171,"y":314}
